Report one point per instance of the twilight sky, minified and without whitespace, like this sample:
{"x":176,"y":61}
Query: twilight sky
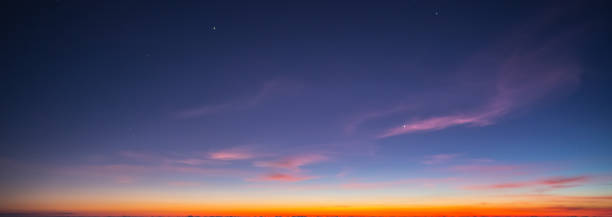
{"x":306,"y":108}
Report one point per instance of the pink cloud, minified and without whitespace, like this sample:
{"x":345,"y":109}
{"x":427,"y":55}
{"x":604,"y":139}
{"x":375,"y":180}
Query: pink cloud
{"x":525,"y":70}
{"x":232,"y":154}
{"x":554,"y":182}
{"x":439,"y":158}
{"x":282,"y":177}
{"x":293,"y":162}
{"x":563,"y":180}
{"x":438,"y":123}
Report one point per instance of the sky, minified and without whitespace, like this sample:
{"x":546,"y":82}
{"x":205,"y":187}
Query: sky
{"x":380,"y":108}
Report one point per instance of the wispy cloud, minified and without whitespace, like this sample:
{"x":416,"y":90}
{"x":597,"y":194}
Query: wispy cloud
{"x":439,"y":158}
{"x":563,"y":198}
{"x":232,"y":154}
{"x":192,"y":161}
{"x":553,"y":182}
{"x":136,"y":156}
{"x":282,"y":177}
{"x":356,"y":121}
{"x":268,"y":89}
{"x":207,"y":110}
{"x":438,"y":123}
{"x":292,"y":162}
{"x":526,"y":70}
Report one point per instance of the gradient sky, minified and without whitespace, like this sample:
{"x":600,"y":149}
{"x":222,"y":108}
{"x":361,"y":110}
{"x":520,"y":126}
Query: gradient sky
{"x":306,"y":108}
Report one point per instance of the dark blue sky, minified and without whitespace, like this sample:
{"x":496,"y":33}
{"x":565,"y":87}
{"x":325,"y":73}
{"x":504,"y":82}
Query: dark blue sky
{"x":366,"y":90}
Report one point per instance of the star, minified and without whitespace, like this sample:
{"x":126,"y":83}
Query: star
{"x":214,"y":28}
{"x":436,"y":13}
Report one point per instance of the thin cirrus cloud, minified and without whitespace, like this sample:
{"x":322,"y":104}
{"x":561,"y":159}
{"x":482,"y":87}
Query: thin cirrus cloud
{"x":282,"y":177}
{"x":526,"y":70}
{"x":193,"y":161}
{"x":267,"y":90}
{"x":553,"y":182}
{"x":232,"y":154}
{"x":155,"y":158}
{"x":439,"y":159}
{"x":292,"y":162}
{"x":358,"y":120}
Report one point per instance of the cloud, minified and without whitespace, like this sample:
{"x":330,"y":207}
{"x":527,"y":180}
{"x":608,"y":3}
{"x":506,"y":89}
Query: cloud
{"x":553,"y":182}
{"x":438,"y":123}
{"x":293,"y":162}
{"x":232,"y":154}
{"x":439,"y":158}
{"x":206,"y":110}
{"x":526,"y":70}
{"x":268,"y":89}
{"x":193,"y":161}
{"x":153,"y":158}
{"x":282,"y":177}
{"x":358,"y":120}
{"x":563,"y":198}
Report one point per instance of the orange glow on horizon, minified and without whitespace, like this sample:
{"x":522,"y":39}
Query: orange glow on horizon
{"x":483,"y":210}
